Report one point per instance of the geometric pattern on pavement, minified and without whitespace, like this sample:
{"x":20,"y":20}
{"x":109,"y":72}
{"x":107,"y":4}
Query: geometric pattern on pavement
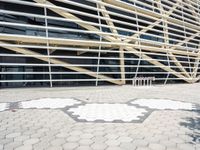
{"x":163,"y":104}
{"x":135,"y":111}
{"x":49,"y":103}
{"x":108,"y":112}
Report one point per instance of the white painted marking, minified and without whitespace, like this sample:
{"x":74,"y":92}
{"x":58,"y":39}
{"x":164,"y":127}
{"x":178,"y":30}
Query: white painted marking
{"x":3,"y":106}
{"x":108,"y":112}
{"x":49,"y":103}
{"x":163,"y":104}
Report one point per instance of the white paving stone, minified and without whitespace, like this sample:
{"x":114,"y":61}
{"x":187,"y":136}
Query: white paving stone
{"x":49,"y":103}
{"x":108,"y":112}
{"x":163,"y":104}
{"x":3,"y":106}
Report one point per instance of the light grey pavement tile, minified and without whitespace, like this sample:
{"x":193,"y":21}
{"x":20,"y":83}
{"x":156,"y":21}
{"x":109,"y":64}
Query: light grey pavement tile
{"x":43,"y":144}
{"x":6,"y":141}
{"x":112,"y":142}
{"x":111,"y":136}
{"x":99,"y":139}
{"x":143,"y":148}
{"x":85,"y":142}
{"x":57,"y":142}
{"x":99,"y":133}
{"x":186,"y":146}
{"x":114,"y":148}
{"x":13,"y":135}
{"x":75,"y":132}
{"x":24,"y":147}
{"x":169,"y":144}
{"x":21,"y":138}
{"x":170,"y":148}
{"x":171,"y":129}
{"x":125,"y":139}
{"x":12,"y":145}
{"x":73,"y":138}
{"x":155,"y":146}
{"x":55,"y":148}
{"x":83,"y":148}
{"x":31,"y":141}
{"x":70,"y":146}
{"x":140,"y":143}
{"x":98,"y":146}
{"x":86,"y":136}
{"x":177,"y":140}
{"x":127,"y":146}
{"x":62,"y":135}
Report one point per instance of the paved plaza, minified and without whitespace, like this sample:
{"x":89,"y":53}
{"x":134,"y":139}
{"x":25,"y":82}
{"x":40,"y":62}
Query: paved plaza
{"x":101,"y":118}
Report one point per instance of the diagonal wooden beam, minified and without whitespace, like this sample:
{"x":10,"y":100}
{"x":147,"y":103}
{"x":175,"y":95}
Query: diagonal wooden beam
{"x":68,"y":15}
{"x":192,"y":10}
{"x":56,"y":61}
{"x":196,"y":65}
{"x":156,"y":63}
{"x":157,"y":16}
{"x":145,"y":29}
{"x":106,"y":15}
{"x":195,"y":68}
{"x":92,"y":28}
{"x":110,"y":23}
{"x":185,"y":41}
{"x":166,"y":39}
{"x":113,"y":30}
{"x":88,"y":27}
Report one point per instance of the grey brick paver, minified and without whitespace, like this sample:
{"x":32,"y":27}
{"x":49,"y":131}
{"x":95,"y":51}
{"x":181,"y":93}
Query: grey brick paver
{"x":73,"y":138}
{"x":142,"y":143}
{"x":99,"y":139}
{"x":21,"y":138}
{"x":55,"y":148}
{"x":5,"y":141}
{"x":155,"y":146}
{"x":125,"y":139}
{"x":86,"y":136}
{"x":85,"y":142}
{"x":83,"y":148}
{"x":98,"y":146}
{"x":25,"y":147}
{"x":114,"y":148}
{"x":70,"y":146}
{"x":111,"y":136}
{"x":12,"y":145}
{"x":76,"y":132}
{"x":186,"y":146}
{"x":57,"y":142}
{"x":170,"y":129}
{"x":112,"y":142}
{"x":31,"y":141}
{"x":13,"y":135}
{"x":127,"y":146}
{"x":143,"y":148}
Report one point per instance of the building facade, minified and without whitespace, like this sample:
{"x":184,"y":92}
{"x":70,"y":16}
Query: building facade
{"x":98,"y":42}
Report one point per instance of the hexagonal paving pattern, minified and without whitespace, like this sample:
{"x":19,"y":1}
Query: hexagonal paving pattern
{"x":134,"y":111}
{"x":3,"y":106}
{"x":49,"y":103}
{"x":163,"y":104}
{"x":107,"y":112}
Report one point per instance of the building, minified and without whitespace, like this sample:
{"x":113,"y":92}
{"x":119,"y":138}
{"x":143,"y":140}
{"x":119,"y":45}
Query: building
{"x":98,"y":42}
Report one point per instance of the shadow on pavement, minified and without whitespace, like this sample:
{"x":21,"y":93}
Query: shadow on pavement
{"x":193,"y":123}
